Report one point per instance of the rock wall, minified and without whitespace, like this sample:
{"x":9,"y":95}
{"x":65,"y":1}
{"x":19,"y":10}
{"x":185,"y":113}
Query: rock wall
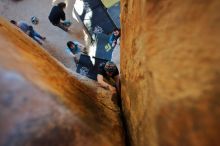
{"x":43,"y":104}
{"x":170,"y":71}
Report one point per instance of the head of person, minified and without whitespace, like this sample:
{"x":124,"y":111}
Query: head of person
{"x":116,"y":32}
{"x":61,"y":5}
{"x":110,"y":68}
{"x":70,"y":45}
{"x":13,"y":22}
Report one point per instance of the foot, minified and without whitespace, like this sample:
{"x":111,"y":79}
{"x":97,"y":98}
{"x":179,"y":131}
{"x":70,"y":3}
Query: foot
{"x":43,"y":38}
{"x":66,"y":30}
{"x":40,"y":43}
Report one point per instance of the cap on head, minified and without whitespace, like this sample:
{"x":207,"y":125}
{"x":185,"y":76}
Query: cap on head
{"x":110,"y":67}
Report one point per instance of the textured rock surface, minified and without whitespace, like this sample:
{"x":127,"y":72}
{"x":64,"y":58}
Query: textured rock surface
{"x":170,"y":71}
{"x":42,"y":104}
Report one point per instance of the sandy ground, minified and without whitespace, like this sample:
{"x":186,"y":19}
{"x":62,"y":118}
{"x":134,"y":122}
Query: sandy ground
{"x":56,"y":40}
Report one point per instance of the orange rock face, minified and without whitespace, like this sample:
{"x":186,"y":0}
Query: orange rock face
{"x":42,"y":104}
{"x":170,"y":71}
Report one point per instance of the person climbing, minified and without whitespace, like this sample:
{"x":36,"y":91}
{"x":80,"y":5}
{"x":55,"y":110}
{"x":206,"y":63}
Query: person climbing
{"x":29,"y":30}
{"x":75,"y":49}
{"x":57,"y":14}
{"x":114,"y":38}
{"x":109,"y":71}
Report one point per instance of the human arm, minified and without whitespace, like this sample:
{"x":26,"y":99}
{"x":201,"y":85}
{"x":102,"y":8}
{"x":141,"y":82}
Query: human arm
{"x":111,"y":39}
{"x":63,"y":16}
{"x":82,"y":48}
{"x":75,"y":58}
{"x":72,"y":55}
{"x":103,"y":84}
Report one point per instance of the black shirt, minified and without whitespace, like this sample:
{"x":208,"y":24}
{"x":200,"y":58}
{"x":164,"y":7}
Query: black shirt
{"x":56,"y":14}
{"x":101,"y":71}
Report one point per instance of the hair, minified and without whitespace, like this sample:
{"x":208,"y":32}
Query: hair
{"x":110,"y":67}
{"x":119,"y":30}
{"x":69,"y":43}
{"x":61,"y":5}
{"x":115,"y":29}
{"x":13,"y":22}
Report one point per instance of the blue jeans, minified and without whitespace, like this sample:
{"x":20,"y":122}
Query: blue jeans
{"x":34,"y":35}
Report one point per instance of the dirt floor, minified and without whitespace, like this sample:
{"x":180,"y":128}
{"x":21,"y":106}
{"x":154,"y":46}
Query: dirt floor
{"x":56,"y":40}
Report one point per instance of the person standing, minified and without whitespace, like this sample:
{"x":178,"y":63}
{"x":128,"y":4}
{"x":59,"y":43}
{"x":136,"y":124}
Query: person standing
{"x":114,"y":38}
{"x":57,"y":14}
